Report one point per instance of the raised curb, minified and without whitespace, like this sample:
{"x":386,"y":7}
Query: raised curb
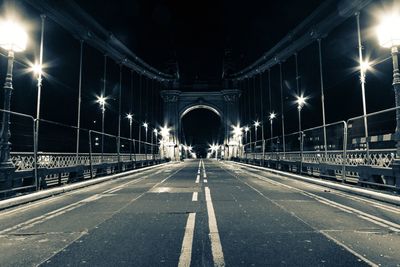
{"x":15,"y":201}
{"x":341,"y":187}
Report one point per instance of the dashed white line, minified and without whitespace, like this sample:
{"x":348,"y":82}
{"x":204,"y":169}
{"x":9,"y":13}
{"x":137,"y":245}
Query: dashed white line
{"x":195,"y":196}
{"x":197,"y":179}
{"x":216,"y":247}
{"x":187,"y":243}
{"x":205,"y":181}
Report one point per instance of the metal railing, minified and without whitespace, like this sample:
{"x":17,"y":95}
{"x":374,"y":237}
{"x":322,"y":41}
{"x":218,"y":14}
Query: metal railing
{"x":349,"y":155}
{"x":49,"y":157}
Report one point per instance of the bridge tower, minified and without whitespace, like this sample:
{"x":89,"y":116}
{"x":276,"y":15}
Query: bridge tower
{"x":224,"y":103}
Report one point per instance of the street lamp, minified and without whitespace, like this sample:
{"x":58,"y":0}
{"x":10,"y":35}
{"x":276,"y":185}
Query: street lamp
{"x":101,"y":100}
{"x":214,"y":148}
{"x":300,"y":101}
{"x":146,"y":126}
{"x":129,"y":116}
{"x":256,"y":124}
{"x":164,"y":131}
{"x":238,"y":134}
{"x":389,"y":37}
{"x":246,"y":129}
{"x":272,"y":116}
{"x":13,"y":39}
{"x":155,"y":131}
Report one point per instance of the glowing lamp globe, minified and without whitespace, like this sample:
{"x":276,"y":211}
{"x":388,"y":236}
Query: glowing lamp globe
{"x":12,"y":37}
{"x":389,"y":31}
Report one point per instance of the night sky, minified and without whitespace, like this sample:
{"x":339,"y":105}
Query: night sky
{"x":194,"y":36}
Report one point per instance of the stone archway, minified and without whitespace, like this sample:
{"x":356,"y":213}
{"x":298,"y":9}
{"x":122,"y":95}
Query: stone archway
{"x":176,"y":104}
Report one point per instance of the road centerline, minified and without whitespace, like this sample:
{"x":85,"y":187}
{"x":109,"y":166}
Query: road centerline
{"x":187,"y":243}
{"x":216,"y":247}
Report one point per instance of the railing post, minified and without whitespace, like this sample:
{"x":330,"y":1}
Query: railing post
{"x":301,"y":151}
{"x":344,"y":160}
{"x":145,"y":153}
{"x":35,"y":157}
{"x":118,"y":153}
{"x":134,"y":151}
{"x":263,"y":152}
{"x":254,"y":152}
{"x":90,"y":154}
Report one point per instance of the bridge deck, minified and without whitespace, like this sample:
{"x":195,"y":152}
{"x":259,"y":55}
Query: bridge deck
{"x":233,"y":216}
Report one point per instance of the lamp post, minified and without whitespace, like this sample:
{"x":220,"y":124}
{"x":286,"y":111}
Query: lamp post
{"x":389,"y":37}
{"x":140,"y":136}
{"x":13,"y":39}
{"x":155,"y":131}
{"x":364,"y":66}
{"x":272,"y":116}
{"x":145,"y":125}
{"x":246,"y":129}
{"x":237,"y":136}
{"x":301,"y":101}
{"x":101,"y":100}
{"x":129,"y":116}
{"x":164,"y":131}
{"x":256,"y":125}
{"x":38,"y":71}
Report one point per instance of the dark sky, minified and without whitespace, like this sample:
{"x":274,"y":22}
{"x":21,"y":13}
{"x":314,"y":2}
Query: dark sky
{"x":195,"y":36}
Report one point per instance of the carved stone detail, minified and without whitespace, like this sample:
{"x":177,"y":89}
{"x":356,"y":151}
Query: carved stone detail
{"x":231,"y":96}
{"x":170,"y":96}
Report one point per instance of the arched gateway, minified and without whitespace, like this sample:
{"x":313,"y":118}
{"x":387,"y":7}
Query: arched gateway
{"x":177,"y":104}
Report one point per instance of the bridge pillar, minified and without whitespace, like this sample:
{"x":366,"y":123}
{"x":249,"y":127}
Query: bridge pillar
{"x":176,"y":104}
{"x":171,"y":120}
{"x":231,"y":101}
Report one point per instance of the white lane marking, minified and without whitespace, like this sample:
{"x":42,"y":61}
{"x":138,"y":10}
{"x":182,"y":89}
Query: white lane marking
{"x":204,"y":175}
{"x":187,"y":243}
{"x":361,"y":257}
{"x":205,"y":181}
{"x":216,"y":247}
{"x":197,"y":179}
{"x":195,"y":196}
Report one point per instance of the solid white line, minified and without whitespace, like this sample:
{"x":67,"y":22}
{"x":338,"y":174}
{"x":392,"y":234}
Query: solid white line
{"x":216,"y":247}
{"x":195,"y":196}
{"x":367,"y":261}
{"x":197,"y":179}
{"x":205,"y":181}
{"x":187,"y":243}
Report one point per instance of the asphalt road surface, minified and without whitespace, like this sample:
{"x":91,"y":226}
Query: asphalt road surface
{"x":202,"y":213}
